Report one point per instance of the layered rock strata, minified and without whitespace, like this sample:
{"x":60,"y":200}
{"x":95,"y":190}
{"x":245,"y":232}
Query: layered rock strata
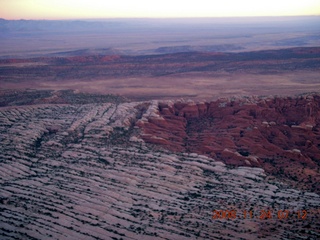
{"x":154,"y":170}
{"x":281,"y":135}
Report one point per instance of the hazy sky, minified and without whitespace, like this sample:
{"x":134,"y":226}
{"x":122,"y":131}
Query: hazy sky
{"x":70,"y":9}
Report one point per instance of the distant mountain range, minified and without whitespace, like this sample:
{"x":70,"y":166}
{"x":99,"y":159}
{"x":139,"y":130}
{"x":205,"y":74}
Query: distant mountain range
{"x":7,"y":26}
{"x":32,"y":38}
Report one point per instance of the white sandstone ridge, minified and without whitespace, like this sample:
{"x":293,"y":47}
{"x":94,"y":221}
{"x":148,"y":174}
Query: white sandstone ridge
{"x":136,"y":139}
{"x":88,"y":188}
{"x":119,"y":115}
{"x":99,"y":120}
{"x":124,"y":115}
{"x":151,"y":112}
{"x":84,"y":119}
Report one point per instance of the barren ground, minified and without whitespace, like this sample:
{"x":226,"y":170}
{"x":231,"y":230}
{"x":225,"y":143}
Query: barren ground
{"x":171,"y":76}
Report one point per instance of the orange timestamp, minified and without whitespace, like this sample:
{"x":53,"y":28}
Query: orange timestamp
{"x":262,"y":214}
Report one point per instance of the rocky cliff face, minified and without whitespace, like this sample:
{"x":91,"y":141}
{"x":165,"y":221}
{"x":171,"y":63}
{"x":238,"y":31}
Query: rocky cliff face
{"x":280,"y":135}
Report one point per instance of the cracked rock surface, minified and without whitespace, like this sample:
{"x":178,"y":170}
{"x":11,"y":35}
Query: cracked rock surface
{"x":91,"y":171}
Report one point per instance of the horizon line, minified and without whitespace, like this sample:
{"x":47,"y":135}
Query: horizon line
{"x":160,"y":18}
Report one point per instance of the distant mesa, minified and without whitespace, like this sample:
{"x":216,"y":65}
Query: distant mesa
{"x":205,"y":48}
{"x":87,"y":52}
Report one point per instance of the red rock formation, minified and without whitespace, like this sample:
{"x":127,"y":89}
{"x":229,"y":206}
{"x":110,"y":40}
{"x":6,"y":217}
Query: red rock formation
{"x":282,"y":135}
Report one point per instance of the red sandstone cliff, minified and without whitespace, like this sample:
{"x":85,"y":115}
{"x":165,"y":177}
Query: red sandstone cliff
{"x":282,"y":135}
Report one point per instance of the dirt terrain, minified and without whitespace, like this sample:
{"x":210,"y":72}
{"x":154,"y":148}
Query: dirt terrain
{"x":193,"y":75}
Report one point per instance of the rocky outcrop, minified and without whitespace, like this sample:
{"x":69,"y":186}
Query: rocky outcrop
{"x":85,"y":171}
{"x":281,"y":135}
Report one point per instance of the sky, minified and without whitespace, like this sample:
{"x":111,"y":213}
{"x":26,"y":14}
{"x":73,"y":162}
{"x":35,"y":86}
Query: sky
{"x":93,"y":9}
